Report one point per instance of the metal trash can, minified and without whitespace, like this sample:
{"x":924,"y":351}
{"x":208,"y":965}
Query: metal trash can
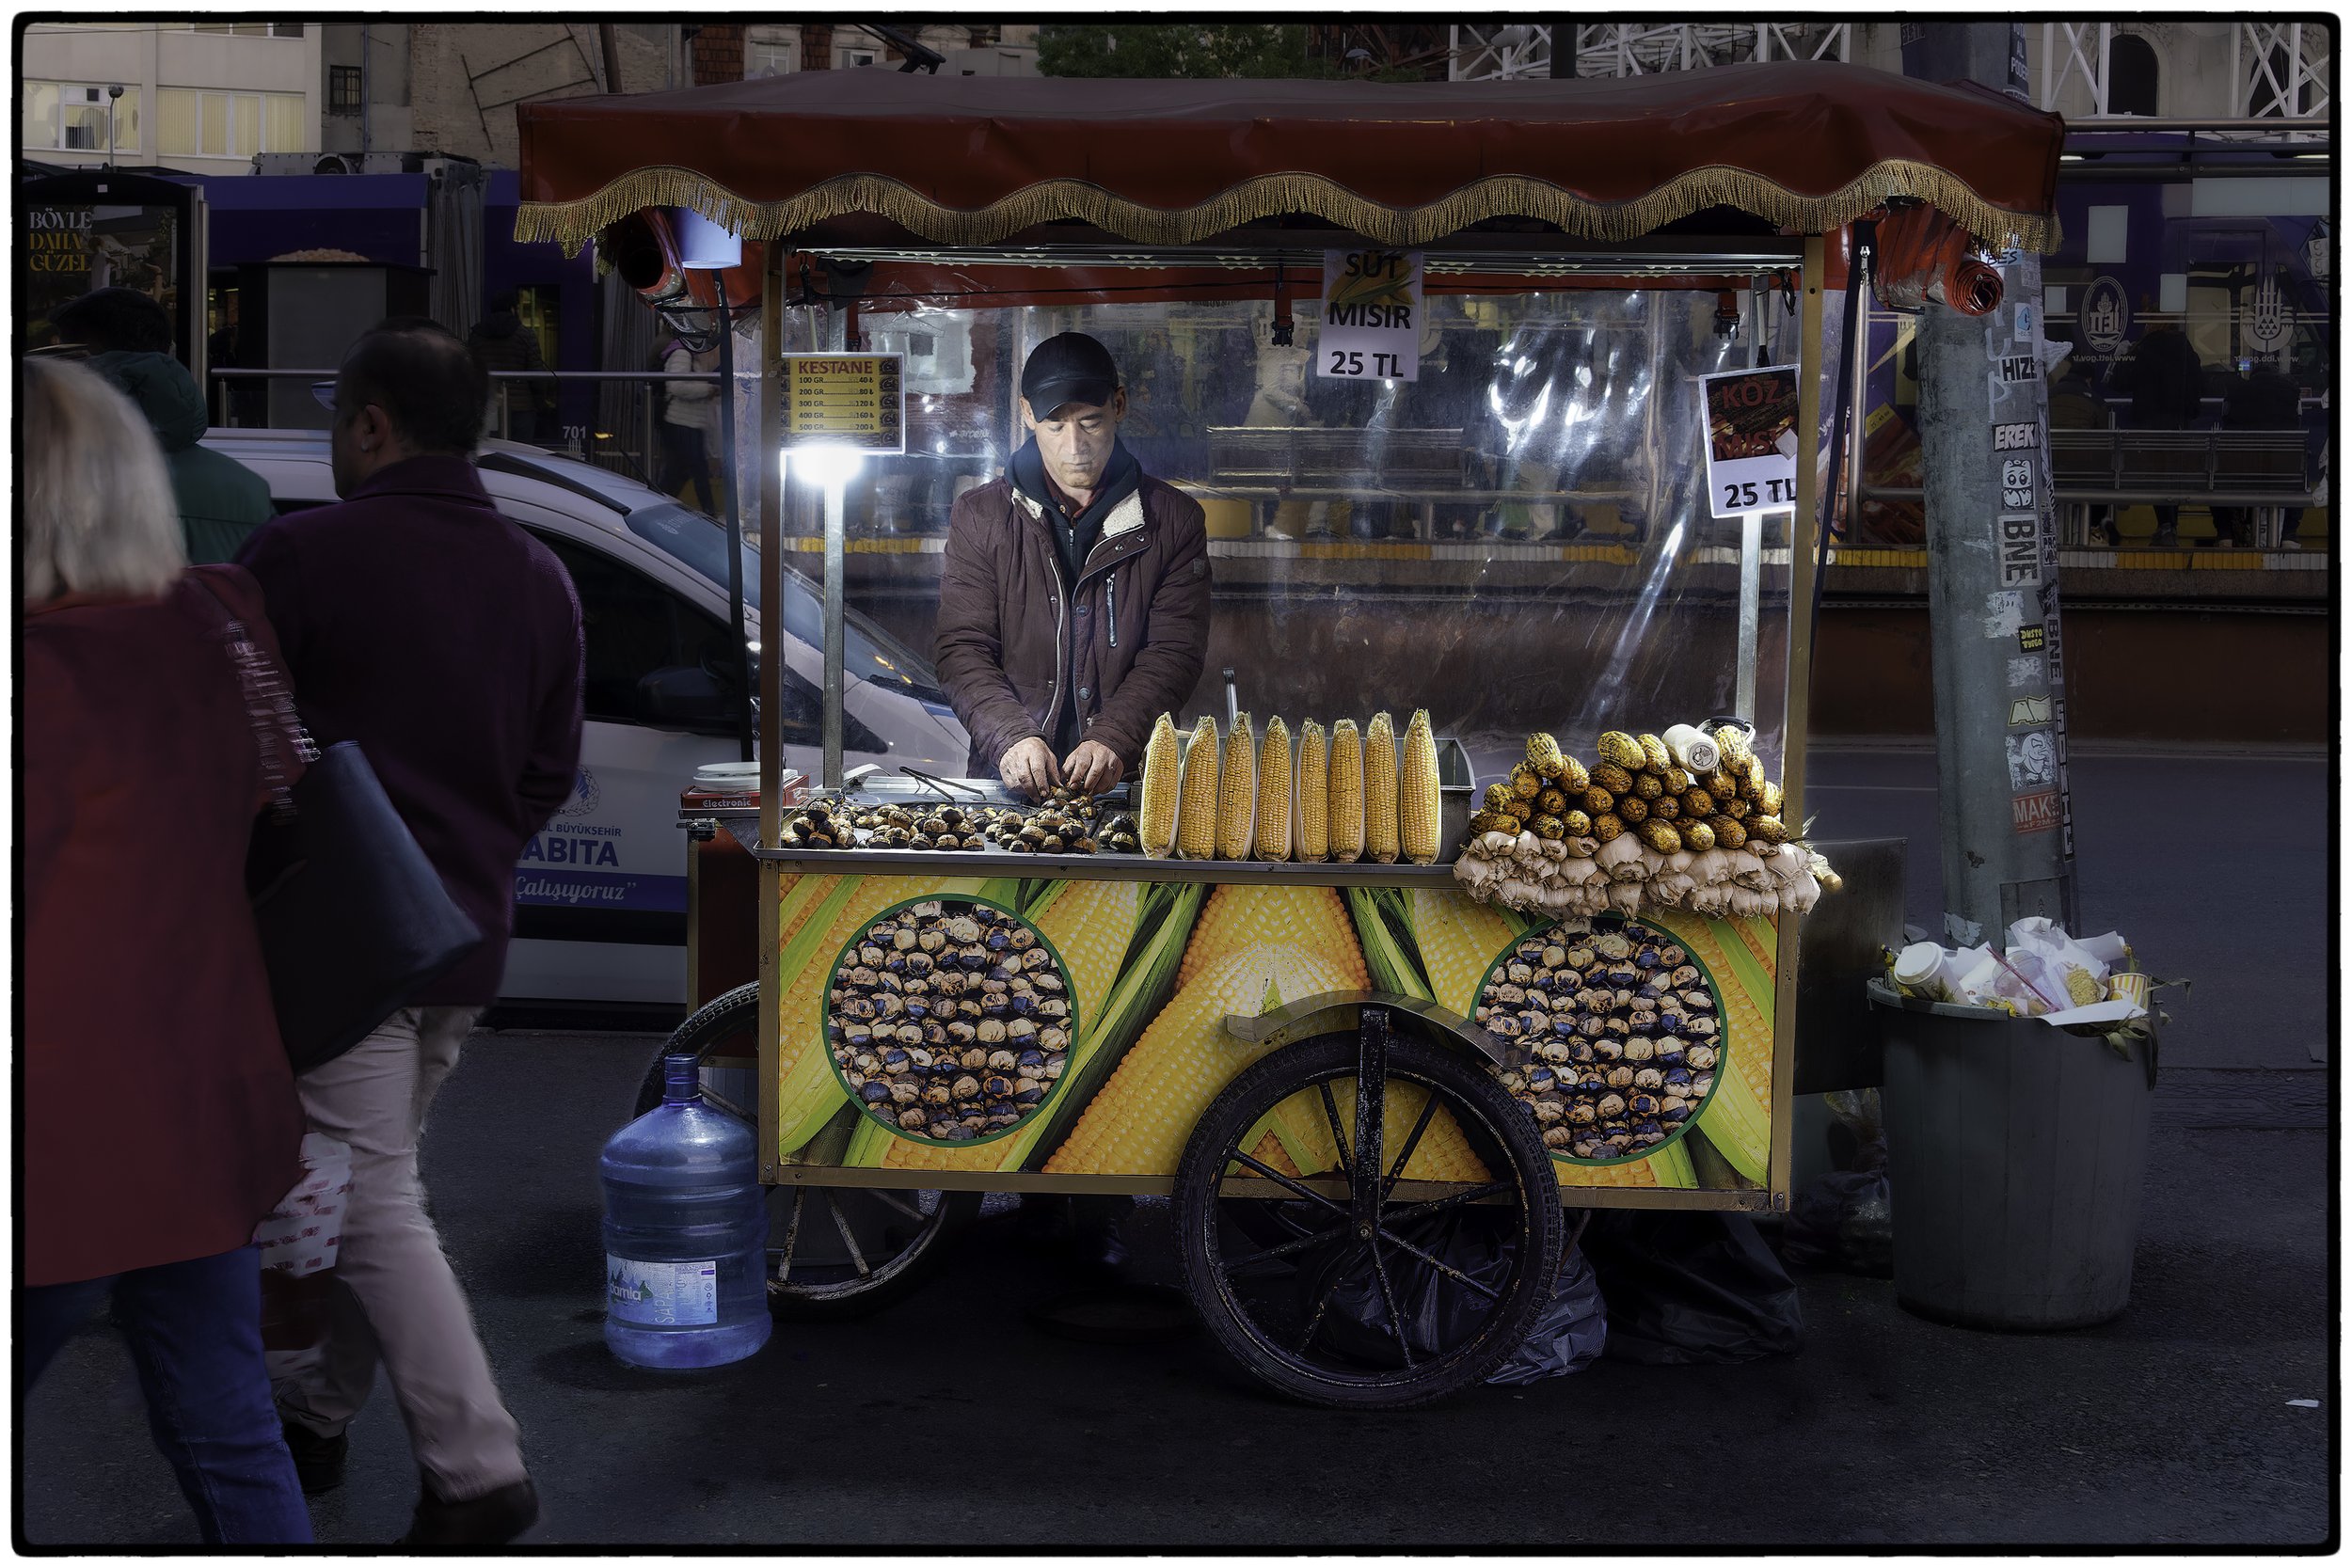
{"x":2015,"y":1152}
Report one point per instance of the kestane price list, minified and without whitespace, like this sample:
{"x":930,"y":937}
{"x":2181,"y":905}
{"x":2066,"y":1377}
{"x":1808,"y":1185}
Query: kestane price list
{"x":851,"y":400}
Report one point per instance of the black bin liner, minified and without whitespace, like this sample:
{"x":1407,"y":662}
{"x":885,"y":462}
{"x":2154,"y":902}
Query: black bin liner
{"x":1688,"y":1289}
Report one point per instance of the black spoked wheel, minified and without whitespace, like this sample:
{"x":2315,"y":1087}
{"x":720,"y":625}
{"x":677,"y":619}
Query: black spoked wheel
{"x":833,"y":1252}
{"x":1341,"y":1291}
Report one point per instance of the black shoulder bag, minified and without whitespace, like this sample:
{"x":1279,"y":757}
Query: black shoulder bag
{"x":354,"y":920}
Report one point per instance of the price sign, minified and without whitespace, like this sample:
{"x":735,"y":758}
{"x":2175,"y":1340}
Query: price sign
{"x":844,"y":400}
{"x":1751,"y":422}
{"x":1371,"y":316}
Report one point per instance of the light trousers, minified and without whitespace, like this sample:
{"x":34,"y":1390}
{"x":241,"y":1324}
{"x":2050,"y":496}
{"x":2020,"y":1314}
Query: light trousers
{"x":396,"y":1301}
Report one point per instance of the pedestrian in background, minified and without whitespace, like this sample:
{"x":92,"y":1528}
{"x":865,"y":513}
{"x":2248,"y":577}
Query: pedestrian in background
{"x":689,"y":423}
{"x":128,"y":334}
{"x":501,"y":341}
{"x":160,"y":1123}
{"x":2263,"y":399}
{"x":446,"y":641}
{"x":2167,"y":382}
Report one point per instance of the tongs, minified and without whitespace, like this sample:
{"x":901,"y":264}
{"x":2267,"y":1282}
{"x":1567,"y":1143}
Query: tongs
{"x":941,"y":787}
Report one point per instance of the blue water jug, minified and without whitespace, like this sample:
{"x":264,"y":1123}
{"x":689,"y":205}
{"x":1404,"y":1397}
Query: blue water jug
{"x":685,"y":1232}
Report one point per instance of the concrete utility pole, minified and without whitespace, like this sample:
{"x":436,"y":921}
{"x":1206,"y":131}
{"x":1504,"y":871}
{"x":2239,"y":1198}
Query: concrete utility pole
{"x":1993,"y":589}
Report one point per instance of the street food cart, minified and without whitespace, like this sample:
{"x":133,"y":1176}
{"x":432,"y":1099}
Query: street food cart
{"x":1369,"y":1085}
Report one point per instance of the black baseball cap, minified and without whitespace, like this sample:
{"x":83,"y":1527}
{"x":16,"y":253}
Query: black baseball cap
{"x":1070,"y":367}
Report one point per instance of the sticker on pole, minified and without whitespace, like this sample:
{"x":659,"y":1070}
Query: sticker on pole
{"x":1371,"y":316}
{"x":1752,"y":439}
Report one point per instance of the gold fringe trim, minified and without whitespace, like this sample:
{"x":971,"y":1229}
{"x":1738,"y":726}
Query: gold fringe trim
{"x":572,"y":224}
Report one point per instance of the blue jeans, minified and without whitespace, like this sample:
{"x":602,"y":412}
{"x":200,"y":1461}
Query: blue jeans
{"x":195,"y":1330}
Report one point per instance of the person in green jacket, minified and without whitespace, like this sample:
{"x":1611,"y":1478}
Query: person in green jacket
{"x":128,"y":335}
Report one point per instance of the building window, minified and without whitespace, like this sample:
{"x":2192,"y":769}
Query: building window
{"x":71,"y":117}
{"x":250,"y":29}
{"x":344,"y":84}
{"x":770,"y":51}
{"x":190,"y":124}
{"x":2131,"y":76}
{"x":285,"y":29}
{"x":850,"y":57}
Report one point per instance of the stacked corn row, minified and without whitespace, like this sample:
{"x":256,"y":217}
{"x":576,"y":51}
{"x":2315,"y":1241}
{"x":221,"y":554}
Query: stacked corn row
{"x":1344,"y":797}
{"x":1638,"y":826}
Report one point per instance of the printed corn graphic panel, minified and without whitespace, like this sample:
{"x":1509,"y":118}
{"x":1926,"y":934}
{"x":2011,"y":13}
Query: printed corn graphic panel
{"x":1095,"y":1032}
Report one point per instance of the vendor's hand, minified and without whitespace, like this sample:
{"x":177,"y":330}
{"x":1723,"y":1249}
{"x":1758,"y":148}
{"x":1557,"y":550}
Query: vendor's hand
{"x":1092,"y":768}
{"x":1029,"y":766}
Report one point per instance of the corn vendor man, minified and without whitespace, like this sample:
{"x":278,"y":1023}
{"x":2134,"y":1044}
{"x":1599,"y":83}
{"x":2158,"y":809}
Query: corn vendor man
{"x":1073,"y":600}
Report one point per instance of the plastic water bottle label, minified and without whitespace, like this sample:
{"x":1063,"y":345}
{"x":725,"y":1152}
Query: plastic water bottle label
{"x":665,"y":1295}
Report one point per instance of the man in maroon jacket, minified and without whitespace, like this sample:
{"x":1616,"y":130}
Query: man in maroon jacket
{"x":446,"y":641}
{"x":1073,"y":600}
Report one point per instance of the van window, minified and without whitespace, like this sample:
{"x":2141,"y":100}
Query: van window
{"x":631,"y":626}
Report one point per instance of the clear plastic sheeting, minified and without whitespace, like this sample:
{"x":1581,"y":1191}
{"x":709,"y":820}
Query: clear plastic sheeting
{"x":1517,"y":540}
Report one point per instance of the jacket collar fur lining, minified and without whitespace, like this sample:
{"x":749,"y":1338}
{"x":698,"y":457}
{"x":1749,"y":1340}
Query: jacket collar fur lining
{"x":1125,"y":517}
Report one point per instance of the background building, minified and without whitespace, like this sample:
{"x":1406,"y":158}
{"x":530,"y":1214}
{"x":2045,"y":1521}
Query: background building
{"x":202,"y":97}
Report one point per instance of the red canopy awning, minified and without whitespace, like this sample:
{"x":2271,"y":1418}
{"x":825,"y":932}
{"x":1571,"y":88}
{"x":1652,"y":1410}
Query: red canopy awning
{"x":970,"y":160}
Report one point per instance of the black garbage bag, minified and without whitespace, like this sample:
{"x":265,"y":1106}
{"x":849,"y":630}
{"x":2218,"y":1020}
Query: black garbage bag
{"x":1439,"y":1312}
{"x":1569,"y":1335}
{"x":1845,"y":1220}
{"x":1686,"y":1289}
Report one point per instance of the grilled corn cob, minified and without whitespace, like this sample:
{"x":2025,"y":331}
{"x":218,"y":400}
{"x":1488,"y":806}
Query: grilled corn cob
{"x":1664,"y":809}
{"x":1237,"y":792}
{"x":1654,"y":753}
{"x":1732,"y":742}
{"x":1552,"y":803}
{"x":1698,"y":802}
{"x":1614,"y":779}
{"x":1380,"y":819}
{"x":1496,"y":822}
{"x":1573,"y":778}
{"x":1661,"y":837}
{"x":1525,"y":781}
{"x":1314,"y":794}
{"x":1500,"y":797}
{"x":1548,"y":827}
{"x":1274,"y":793}
{"x":1607,"y":825}
{"x":1617,"y":747}
{"x":1598,"y":801}
{"x":1162,"y":770}
{"x":1697,"y":836}
{"x":1650,"y":786}
{"x":1347,"y":793}
{"x":1766,"y":829}
{"x":1195,"y":816}
{"x":1544,"y":755}
{"x":1633,"y":810}
{"x":1418,"y":800}
{"x":1768,"y":800}
{"x":1577,"y":823}
{"x":1728,"y":835}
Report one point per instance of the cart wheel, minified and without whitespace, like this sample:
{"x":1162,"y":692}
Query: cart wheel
{"x":833,"y":1252}
{"x":1264,"y":1273}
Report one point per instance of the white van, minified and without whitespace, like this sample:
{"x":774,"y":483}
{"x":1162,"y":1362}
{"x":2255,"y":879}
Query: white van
{"x":600,"y":895}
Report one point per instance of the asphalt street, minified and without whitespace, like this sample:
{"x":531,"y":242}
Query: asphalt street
{"x":950,"y":1421}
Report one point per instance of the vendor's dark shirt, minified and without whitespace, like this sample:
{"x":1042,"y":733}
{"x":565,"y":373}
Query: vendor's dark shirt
{"x":1076,"y":530}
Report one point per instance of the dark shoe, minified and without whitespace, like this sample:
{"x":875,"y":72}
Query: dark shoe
{"x":492,"y":1519}
{"x":318,"y":1461}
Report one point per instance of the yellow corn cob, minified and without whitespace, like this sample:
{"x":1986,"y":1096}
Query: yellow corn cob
{"x":1310,"y":918}
{"x":1380,"y":814}
{"x":1460,"y":942}
{"x":1544,"y":755}
{"x":1137,"y":1125}
{"x":1089,"y":924}
{"x":1237,"y":792}
{"x":1417,"y":799}
{"x":1314,"y":798}
{"x":1738,"y":1118}
{"x":1347,"y":793}
{"x":1155,"y":814}
{"x":1196,"y":817}
{"x":1274,"y":794}
{"x":1303,"y":1127}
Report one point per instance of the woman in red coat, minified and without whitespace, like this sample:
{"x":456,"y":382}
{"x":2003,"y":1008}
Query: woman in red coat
{"x":160,"y":1122}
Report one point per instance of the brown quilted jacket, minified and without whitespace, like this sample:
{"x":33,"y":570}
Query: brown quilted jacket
{"x":1130,"y":642}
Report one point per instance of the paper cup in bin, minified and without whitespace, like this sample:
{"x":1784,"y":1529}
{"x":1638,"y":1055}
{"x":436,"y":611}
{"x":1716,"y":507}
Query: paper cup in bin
{"x":2131,"y":986}
{"x":298,"y":1242}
